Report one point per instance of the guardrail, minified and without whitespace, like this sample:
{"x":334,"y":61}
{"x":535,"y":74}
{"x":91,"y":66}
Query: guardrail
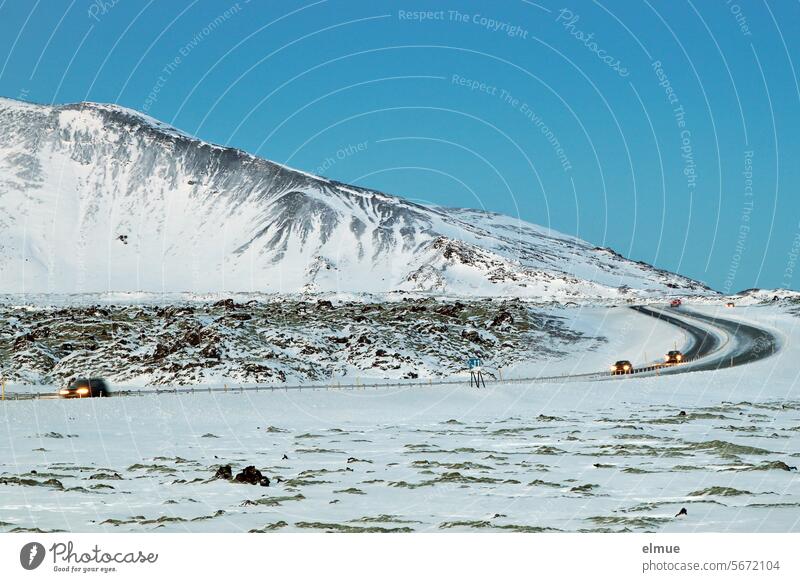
{"x":358,"y":385}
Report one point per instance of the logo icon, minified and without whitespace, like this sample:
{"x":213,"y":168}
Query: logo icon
{"x":31,"y":555}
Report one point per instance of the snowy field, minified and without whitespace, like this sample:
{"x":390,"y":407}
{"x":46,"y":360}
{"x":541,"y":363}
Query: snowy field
{"x":608,"y":456}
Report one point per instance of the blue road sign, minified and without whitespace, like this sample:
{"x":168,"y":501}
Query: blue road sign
{"x":474,"y":363}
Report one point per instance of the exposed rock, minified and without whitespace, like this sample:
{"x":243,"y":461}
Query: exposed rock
{"x":211,"y":352}
{"x":193,"y":338}
{"x":252,"y":476}
{"x":106,"y":476}
{"x":224,"y":472}
{"x":161,"y":351}
{"x":451,"y":310}
{"x":501,"y":318}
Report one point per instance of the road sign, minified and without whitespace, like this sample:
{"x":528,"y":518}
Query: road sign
{"x":474,"y":363}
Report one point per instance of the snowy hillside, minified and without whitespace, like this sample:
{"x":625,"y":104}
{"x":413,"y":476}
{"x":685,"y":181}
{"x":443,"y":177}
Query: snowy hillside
{"x":100,"y":198}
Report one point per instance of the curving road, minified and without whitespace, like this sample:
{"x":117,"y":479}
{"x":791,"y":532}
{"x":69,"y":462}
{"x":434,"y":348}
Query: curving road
{"x":734,"y":343}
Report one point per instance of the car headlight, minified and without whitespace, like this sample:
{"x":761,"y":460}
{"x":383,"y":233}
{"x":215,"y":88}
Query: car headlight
{"x":626,"y":367}
{"x":679,"y":358}
{"x":63,"y":392}
{"x":83,"y":390}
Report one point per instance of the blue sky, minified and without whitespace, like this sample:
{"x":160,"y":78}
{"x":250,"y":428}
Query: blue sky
{"x":666,"y":130}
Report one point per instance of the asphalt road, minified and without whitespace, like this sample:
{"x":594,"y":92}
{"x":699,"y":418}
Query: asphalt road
{"x":745,"y":344}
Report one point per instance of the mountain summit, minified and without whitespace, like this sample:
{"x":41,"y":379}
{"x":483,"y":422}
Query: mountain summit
{"x":98,"y":198}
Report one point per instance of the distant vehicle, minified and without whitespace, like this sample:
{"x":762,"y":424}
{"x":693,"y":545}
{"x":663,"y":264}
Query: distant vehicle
{"x":622,"y":367}
{"x":675,"y":303}
{"x":85,"y":388}
{"x":673,"y":357}
{"x":730,"y":304}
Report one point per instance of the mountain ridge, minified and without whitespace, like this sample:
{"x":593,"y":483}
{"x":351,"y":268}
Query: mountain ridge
{"x":98,"y":197}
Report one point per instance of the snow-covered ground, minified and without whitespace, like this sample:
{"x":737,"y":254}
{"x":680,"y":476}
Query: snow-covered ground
{"x":572,"y":456}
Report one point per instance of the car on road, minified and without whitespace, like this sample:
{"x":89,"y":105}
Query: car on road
{"x":730,"y":304}
{"x":673,"y":357}
{"x":675,"y":303}
{"x":622,"y":367}
{"x":85,"y":388}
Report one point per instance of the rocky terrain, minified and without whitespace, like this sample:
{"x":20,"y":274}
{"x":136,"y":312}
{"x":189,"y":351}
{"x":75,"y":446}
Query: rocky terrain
{"x":278,"y":341}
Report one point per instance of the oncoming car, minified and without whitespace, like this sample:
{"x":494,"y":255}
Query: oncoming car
{"x":622,"y":367}
{"x":85,"y":388}
{"x":673,"y":357}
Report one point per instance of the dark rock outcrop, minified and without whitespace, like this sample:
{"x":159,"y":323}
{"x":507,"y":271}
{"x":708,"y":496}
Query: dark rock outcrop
{"x":252,"y":476}
{"x":224,"y":472}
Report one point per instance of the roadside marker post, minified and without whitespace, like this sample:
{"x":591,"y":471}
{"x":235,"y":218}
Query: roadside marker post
{"x":475,"y":373}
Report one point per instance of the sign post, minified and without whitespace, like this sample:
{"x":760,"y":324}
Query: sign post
{"x":475,"y":373}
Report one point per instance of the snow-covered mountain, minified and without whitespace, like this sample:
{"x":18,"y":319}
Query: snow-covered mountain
{"x":100,"y":198}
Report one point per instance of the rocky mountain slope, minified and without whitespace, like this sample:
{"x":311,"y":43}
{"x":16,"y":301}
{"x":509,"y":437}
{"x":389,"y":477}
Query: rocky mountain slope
{"x":98,"y":198}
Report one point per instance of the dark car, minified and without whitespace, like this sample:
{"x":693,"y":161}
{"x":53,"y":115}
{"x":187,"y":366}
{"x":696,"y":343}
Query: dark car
{"x":622,"y":367}
{"x":673,"y":357}
{"x":85,"y":388}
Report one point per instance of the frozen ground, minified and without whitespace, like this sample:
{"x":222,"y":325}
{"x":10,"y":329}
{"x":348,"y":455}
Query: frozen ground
{"x":609,"y":456}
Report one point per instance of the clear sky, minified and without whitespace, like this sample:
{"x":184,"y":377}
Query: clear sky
{"x":667,"y":130}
